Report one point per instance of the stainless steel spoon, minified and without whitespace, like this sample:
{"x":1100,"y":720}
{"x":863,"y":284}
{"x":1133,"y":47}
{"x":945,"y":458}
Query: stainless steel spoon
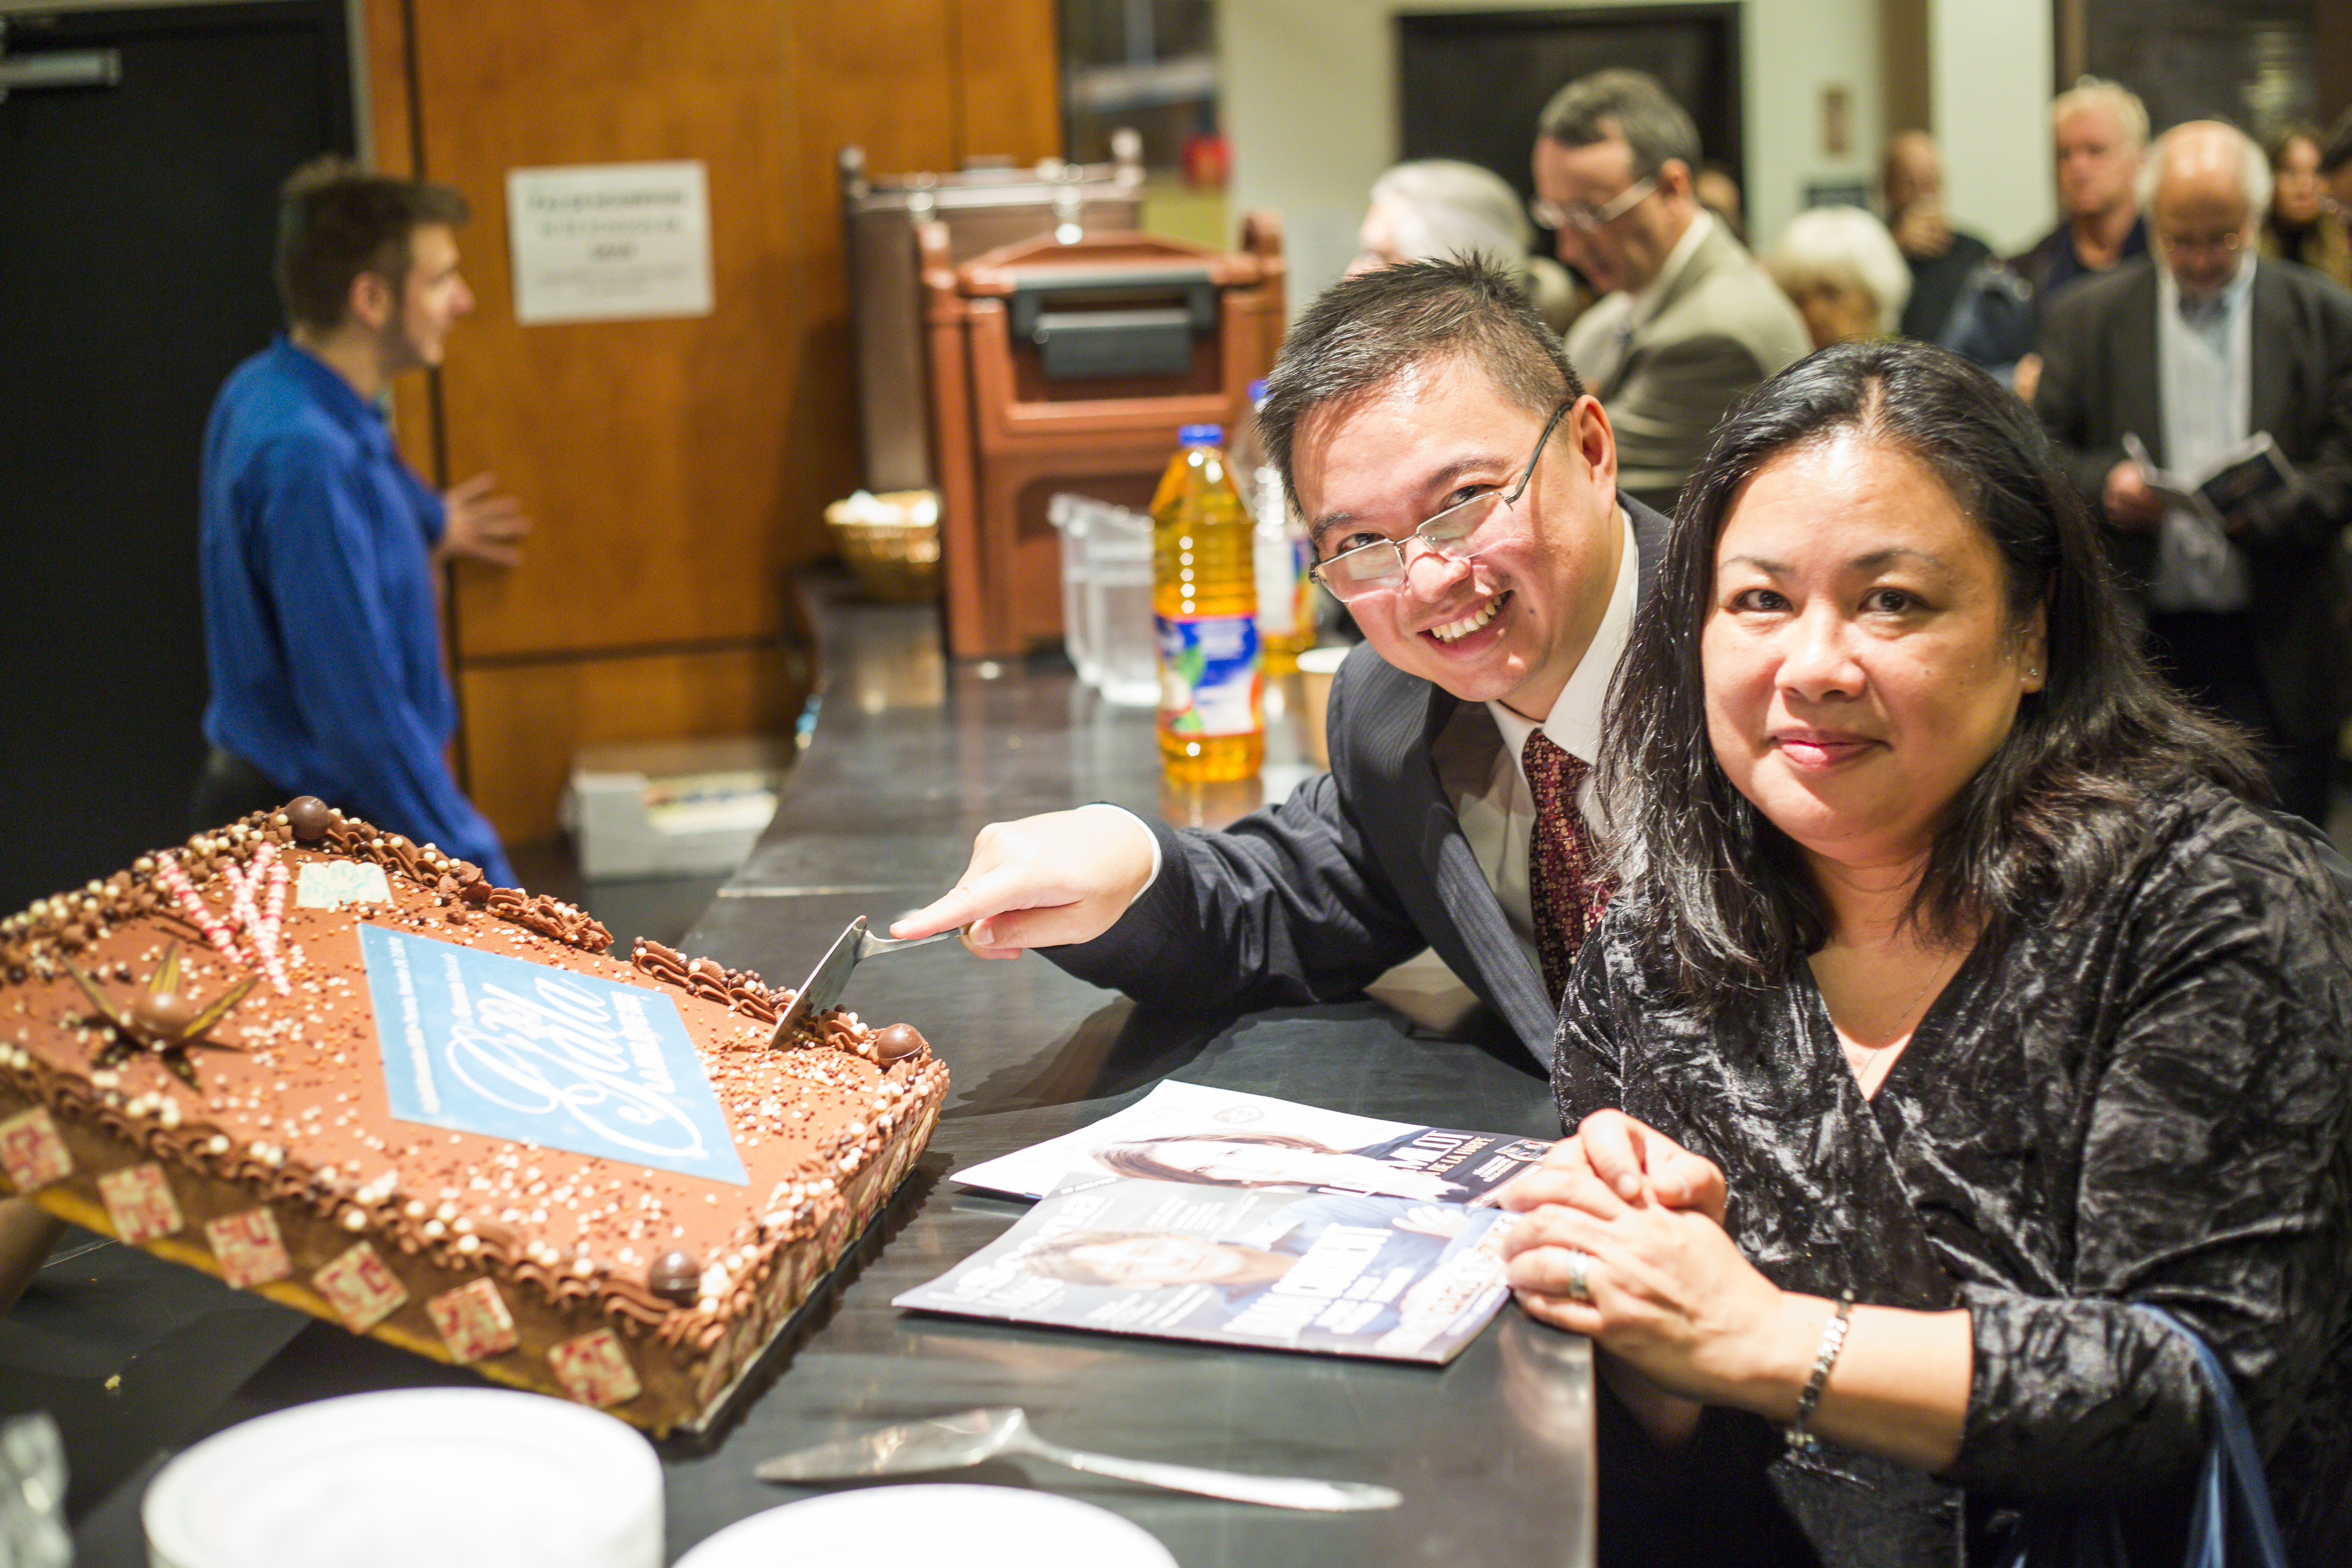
{"x":970,"y":1437}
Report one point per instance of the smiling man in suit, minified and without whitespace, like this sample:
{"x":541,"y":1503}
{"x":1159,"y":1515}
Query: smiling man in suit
{"x":1460,"y":489}
{"x":2194,"y":351}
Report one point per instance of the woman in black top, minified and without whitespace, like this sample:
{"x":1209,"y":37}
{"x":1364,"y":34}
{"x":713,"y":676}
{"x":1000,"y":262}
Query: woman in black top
{"x":1955,"y":972}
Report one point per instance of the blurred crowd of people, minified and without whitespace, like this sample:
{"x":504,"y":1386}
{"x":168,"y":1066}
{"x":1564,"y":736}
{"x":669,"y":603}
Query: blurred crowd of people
{"x":2185,"y":323}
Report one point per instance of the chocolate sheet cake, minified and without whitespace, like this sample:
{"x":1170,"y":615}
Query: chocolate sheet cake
{"x":346,"y":1073}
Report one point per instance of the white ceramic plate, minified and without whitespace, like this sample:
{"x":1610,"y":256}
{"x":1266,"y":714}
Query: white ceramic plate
{"x":452,"y":1477}
{"x":925,"y":1526}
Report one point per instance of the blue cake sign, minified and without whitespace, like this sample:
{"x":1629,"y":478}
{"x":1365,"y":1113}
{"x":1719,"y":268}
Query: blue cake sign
{"x":477,"y":1043}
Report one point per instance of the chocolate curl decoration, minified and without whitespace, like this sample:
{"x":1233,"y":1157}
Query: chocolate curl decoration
{"x":191,"y":904}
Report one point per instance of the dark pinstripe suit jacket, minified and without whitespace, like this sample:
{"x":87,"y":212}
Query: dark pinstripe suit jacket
{"x":1361,"y":868}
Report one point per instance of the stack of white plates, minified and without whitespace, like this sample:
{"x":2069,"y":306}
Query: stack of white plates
{"x":925,"y":1526}
{"x":454,"y":1477}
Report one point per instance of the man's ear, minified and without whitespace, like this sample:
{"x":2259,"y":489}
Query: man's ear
{"x":369,"y":302}
{"x":1673,"y":178}
{"x":1595,"y":440}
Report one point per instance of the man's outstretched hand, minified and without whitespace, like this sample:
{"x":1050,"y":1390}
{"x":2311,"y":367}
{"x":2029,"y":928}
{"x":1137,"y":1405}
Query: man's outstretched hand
{"x":482,"y":525}
{"x":1043,"y":882}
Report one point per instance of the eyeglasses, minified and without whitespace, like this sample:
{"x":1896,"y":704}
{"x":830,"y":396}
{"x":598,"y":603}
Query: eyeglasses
{"x":1583,"y":216}
{"x":2228,"y":244}
{"x":1367,"y":568}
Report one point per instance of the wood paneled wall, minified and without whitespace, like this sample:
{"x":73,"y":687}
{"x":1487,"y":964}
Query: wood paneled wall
{"x":676,"y":470}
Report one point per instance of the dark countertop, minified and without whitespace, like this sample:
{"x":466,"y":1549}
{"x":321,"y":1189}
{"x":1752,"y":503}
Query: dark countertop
{"x":910,"y":757}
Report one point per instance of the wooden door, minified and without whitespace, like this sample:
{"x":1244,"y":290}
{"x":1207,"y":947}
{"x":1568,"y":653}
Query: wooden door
{"x":676,"y":470}
{"x":139,"y":216}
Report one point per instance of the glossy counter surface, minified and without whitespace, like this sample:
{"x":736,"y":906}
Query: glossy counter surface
{"x":910,"y":757}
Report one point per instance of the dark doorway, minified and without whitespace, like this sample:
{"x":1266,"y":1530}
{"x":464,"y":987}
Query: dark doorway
{"x":137,"y":269}
{"x":2251,"y":62}
{"x":1470,"y":84}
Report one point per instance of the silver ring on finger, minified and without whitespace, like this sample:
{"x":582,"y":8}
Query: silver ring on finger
{"x":1580,"y":1282}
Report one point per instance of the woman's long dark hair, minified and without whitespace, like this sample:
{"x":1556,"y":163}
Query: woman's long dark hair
{"x":1728,"y":902}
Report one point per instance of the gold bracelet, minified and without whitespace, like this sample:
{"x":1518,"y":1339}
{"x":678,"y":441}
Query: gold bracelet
{"x":1833,"y":1340}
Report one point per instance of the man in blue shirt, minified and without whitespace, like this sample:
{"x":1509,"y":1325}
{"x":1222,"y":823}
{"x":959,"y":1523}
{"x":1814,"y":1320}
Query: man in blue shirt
{"x":318,"y":544}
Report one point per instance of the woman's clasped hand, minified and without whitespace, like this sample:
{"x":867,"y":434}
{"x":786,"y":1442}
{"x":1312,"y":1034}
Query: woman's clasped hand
{"x":1662,"y":1286}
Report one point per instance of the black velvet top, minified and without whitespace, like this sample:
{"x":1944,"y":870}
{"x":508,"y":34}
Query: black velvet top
{"x":2147,"y":1104}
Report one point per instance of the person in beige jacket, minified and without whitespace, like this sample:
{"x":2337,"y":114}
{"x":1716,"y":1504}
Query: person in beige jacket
{"x":1687,"y":322}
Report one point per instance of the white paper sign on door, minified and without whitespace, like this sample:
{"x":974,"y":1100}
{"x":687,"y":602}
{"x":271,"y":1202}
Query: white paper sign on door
{"x":603,"y":242}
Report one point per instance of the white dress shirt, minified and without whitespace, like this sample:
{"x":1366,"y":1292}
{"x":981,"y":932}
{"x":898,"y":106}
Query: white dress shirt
{"x":1488,"y":785}
{"x":2205,"y":366}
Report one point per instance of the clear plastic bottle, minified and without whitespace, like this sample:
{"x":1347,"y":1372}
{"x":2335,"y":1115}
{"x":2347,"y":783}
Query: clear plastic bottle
{"x":1205,"y":602}
{"x":1282,"y":553}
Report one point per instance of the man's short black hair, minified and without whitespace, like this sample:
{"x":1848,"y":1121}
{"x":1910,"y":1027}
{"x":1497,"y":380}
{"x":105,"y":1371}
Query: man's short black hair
{"x":1364,"y":332}
{"x":1631,"y":106}
{"x":335,"y":221}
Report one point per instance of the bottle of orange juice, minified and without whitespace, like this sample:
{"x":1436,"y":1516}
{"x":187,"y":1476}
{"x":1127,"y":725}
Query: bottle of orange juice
{"x":1285,"y":604}
{"x":1204,"y":601}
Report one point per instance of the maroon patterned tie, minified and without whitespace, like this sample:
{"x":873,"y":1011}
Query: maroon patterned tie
{"x":1566,"y":890}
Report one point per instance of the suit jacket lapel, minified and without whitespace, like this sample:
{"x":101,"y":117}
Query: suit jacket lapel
{"x":1602,"y":362}
{"x":1431,"y":863}
{"x":2274,"y":332}
{"x":2139,"y":388}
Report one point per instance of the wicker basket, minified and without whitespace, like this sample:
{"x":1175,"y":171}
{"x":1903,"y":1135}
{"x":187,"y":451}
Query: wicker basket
{"x":891,"y":541}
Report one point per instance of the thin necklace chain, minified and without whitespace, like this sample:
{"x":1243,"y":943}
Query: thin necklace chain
{"x":1909,"y":1007}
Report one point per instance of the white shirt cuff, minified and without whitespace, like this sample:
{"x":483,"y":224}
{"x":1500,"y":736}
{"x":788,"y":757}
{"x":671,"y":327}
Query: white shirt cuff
{"x":1145,"y":828}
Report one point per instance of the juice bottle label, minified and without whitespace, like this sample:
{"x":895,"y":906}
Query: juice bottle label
{"x":1209,"y":675}
{"x":1274,"y":557}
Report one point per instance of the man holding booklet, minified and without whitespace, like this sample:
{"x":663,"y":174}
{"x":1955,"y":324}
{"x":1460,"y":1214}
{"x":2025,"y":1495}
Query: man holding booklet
{"x":2160,"y":385}
{"x":1461,"y":489}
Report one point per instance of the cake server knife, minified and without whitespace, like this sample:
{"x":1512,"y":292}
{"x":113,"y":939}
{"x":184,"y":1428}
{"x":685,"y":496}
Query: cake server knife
{"x":830,"y":976}
{"x":970,"y":1437}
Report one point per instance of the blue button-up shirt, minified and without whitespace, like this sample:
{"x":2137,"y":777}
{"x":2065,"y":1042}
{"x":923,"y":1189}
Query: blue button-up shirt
{"x":321,"y":627}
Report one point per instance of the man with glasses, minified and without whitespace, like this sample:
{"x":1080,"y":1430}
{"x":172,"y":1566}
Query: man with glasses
{"x":1460,"y":487}
{"x":1687,"y":322}
{"x":2189,"y":355}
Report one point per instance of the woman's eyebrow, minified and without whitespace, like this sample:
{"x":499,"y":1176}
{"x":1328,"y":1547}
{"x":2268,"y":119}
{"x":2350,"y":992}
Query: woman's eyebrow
{"x":1871,"y":560}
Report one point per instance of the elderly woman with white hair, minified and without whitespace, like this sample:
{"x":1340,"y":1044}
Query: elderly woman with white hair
{"x":1435,"y":207}
{"x":1844,"y":274}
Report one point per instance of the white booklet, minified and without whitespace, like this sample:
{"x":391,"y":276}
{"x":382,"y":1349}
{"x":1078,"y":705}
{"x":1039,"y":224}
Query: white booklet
{"x":1326,"y":1273}
{"x":1220,"y":1137}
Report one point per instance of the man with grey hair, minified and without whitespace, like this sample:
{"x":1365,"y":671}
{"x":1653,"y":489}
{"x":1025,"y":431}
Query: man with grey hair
{"x":1688,"y":322}
{"x":1442,"y":207}
{"x":2193,"y":354}
{"x":2098,"y":137}
{"x":1460,"y":486}
{"x":2099,"y":133}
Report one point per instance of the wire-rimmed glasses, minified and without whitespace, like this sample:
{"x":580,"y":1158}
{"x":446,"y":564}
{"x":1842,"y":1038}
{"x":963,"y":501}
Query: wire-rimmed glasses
{"x":1583,"y":216}
{"x":1367,"y":568}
